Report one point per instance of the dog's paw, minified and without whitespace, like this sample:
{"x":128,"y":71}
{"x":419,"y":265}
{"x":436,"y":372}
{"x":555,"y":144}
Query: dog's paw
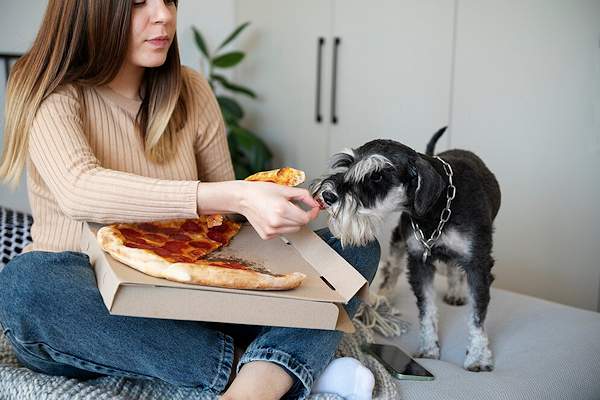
{"x":432,"y":353}
{"x":483,"y":361}
{"x":454,"y":300}
{"x":477,"y":367}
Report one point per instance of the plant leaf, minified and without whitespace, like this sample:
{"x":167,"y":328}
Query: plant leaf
{"x":233,"y":146}
{"x":200,"y":42}
{"x":232,"y":86}
{"x":234,"y":34}
{"x":253,"y":148}
{"x":231,"y":106}
{"x":230,"y":119}
{"x":241,"y":171}
{"x":228,"y":60}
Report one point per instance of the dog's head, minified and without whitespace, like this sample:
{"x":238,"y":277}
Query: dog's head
{"x":364,"y":185}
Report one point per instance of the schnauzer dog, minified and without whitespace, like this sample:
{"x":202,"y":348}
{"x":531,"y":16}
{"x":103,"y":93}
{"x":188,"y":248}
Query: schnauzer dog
{"x":448,"y":204}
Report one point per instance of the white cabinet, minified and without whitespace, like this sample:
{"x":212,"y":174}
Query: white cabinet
{"x":393,"y":70}
{"x":387,"y":77}
{"x":392,"y":73}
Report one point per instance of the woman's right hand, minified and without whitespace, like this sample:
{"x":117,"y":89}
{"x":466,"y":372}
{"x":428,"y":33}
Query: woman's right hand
{"x":269,"y":208}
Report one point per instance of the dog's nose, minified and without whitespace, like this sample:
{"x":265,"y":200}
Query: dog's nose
{"x":329,"y":197}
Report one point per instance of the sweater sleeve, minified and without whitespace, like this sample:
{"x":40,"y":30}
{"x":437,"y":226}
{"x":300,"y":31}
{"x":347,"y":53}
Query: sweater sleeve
{"x":86,"y":191}
{"x":212,"y":151}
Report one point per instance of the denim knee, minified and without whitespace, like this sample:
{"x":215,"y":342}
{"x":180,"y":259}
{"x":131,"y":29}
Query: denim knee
{"x":14,"y":279}
{"x":29,"y":283}
{"x":372,"y":252}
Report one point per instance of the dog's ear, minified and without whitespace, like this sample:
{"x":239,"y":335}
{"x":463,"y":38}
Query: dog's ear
{"x":342,"y":160}
{"x":429,"y":187}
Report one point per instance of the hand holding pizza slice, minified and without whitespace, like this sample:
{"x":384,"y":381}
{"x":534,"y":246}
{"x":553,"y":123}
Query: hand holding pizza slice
{"x":285,"y":176}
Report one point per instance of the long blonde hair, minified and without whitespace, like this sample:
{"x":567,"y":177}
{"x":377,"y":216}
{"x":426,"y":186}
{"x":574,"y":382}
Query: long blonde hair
{"x":84,"y":43}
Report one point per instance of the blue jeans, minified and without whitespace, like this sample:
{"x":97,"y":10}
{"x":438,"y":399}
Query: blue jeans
{"x":52,"y":313}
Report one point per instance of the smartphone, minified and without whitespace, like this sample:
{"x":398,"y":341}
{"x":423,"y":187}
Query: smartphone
{"x":397,"y":362}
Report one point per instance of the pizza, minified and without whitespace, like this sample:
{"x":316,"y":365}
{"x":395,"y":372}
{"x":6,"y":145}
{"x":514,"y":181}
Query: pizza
{"x":284,"y":176}
{"x":180,"y":250}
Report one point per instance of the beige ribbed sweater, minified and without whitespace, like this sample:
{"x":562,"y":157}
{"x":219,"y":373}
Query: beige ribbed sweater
{"x":104,"y":176}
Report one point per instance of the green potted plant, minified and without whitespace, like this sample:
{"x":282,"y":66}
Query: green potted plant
{"x":248,"y":152}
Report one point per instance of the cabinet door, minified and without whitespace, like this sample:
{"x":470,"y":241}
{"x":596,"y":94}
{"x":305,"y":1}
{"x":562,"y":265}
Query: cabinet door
{"x":527,"y":100}
{"x":393,"y":72}
{"x":281,"y":65}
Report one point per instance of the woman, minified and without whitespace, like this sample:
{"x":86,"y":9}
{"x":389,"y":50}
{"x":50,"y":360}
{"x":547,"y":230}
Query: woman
{"x":114,"y":129}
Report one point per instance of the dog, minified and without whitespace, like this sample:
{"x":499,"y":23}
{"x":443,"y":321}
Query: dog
{"x":448,"y":204}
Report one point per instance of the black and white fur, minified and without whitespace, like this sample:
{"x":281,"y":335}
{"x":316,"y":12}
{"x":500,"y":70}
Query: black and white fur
{"x":364,"y":185}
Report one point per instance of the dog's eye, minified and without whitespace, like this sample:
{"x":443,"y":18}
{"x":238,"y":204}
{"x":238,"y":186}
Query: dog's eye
{"x":376,"y":177}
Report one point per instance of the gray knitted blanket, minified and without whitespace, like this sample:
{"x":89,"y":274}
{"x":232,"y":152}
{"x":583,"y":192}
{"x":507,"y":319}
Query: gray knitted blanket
{"x":20,"y":383}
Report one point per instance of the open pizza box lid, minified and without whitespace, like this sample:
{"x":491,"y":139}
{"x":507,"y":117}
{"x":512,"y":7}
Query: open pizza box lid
{"x":317,"y":303}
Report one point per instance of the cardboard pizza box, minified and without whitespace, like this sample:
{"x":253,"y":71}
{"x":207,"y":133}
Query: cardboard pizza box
{"x":317,"y":303}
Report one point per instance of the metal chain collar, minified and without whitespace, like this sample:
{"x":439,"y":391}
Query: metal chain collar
{"x":444,"y":217}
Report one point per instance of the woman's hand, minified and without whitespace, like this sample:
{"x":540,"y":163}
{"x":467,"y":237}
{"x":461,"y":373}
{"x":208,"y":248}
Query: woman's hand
{"x":267,"y":206}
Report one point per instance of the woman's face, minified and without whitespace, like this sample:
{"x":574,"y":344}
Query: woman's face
{"x":153,"y":24}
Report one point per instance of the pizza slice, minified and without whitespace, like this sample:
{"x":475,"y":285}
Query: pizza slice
{"x":283,"y":176}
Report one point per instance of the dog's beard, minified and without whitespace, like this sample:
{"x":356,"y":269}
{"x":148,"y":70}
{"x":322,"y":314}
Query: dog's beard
{"x":355,"y":225}
{"x":350,"y":224}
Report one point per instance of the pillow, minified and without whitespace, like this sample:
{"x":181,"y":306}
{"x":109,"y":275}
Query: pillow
{"x":15,"y":234}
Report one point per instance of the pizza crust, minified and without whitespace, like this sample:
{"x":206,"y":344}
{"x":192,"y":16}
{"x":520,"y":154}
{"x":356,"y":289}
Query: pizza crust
{"x":283,"y":176}
{"x":236,"y":279}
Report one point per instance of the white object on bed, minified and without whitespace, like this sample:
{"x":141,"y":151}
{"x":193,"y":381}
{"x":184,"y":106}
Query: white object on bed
{"x":347,"y":377}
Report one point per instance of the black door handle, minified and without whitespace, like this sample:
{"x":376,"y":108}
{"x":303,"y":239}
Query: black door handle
{"x":334,"y":118}
{"x":320,"y":44}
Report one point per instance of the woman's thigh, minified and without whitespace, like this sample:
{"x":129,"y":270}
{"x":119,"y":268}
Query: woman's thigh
{"x":53,"y":314}
{"x":304,"y":353}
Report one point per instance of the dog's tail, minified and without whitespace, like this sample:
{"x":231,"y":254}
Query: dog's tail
{"x":433,"y":141}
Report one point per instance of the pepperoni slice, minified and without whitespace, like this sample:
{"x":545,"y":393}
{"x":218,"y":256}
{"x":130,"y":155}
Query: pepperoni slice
{"x":175,"y":246}
{"x":162,"y":252}
{"x":191,"y":226}
{"x":216,"y":236}
{"x":200,"y":245}
{"x":220,"y":228}
{"x":180,"y":236}
{"x":139,"y":245}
